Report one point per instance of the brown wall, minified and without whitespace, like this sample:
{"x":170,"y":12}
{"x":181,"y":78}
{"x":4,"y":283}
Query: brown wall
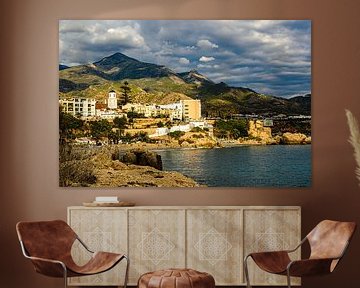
{"x":29,"y":81}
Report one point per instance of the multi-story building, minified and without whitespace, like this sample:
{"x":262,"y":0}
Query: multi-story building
{"x":82,"y":107}
{"x":148,"y":110}
{"x":186,"y":110}
{"x":109,"y":114}
{"x":191,"y":109}
{"x":174,"y":110}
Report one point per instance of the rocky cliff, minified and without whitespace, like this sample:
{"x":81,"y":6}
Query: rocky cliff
{"x":295,"y":138}
{"x":104,"y":169}
{"x":258,"y":134}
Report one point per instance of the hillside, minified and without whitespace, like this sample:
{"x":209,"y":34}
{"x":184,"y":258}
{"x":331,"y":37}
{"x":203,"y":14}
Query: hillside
{"x":151,"y":83}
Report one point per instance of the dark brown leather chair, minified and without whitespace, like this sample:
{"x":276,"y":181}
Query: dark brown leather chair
{"x":48,"y":245}
{"x":328,"y":242}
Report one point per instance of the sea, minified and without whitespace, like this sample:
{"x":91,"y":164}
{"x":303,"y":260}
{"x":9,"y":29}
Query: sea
{"x":243,"y":166}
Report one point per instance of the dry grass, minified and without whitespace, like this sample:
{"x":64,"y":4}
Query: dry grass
{"x":354,"y":139}
{"x":75,"y":167}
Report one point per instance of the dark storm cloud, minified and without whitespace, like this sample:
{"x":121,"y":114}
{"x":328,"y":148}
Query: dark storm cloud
{"x":271,"y":57}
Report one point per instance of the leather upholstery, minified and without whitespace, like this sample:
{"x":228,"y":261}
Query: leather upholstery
{"x":53,"y":240}
{"x":328,"y":239}
{"x":272,"y":262}
{"x":176,"y":278}
{"x":328,"y":242}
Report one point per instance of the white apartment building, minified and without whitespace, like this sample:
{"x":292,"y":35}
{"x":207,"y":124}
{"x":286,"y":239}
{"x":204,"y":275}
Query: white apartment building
{"x":183,"y":110}
{"x":109,"y":114}
{"x":79,"y":106}
{"x":184,"y":128}
{"x":149,"y":110}
{"x":174,"y":110}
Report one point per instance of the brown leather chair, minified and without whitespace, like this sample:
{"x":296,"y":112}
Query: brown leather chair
{"x":328,"y":242}
{"x":48,"y":245}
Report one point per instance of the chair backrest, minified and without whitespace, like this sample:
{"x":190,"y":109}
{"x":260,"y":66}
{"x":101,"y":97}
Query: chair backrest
{"x":329,"y":239}
{"x":46,"y":239}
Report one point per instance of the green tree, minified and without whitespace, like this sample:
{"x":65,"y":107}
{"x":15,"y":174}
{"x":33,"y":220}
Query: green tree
{"x":113,"y":137}
{"x":231,"y":128}
{"x":68,"y":124}
{"x":99,"y":129}
{"x":176,"y":134}
{"x":126,"y":138}
{"x":126,"y":92}
{"x":120,"y":123}
{"x":142,"y":136}
{"x":160,"y":124}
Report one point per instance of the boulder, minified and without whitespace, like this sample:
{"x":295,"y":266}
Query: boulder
{"x":129,"y":158}
{"x":197,"y":140}
{"x":143,"y":158}
{"x":293,"y":138}
{"x":150,"y":159}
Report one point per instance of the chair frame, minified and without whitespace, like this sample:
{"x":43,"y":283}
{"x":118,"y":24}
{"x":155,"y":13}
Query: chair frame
{"x":288,"y":276}
{"x":26,"y":255}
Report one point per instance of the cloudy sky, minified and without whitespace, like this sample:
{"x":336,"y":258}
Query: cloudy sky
{"x":270,"y":57}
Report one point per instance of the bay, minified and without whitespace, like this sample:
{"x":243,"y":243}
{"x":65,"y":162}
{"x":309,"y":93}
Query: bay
{"x":243,"y":166}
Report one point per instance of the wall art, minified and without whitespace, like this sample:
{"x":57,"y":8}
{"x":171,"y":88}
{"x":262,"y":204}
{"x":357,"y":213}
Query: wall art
{"x":185,"y":103}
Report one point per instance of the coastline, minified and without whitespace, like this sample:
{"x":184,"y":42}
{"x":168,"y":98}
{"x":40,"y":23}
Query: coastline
{"x":219,"y":145}
{"x":115,"y":166}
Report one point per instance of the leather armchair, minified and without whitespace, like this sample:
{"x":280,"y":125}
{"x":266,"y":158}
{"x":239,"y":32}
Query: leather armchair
{"x":48,"y":245}
{"x":328,"y":242}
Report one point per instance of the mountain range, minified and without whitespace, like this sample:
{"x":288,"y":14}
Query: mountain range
{"x":152,"y":83}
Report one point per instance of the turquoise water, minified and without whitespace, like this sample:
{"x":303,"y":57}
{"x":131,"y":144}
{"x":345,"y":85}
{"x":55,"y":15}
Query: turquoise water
{"x":245,"y":166}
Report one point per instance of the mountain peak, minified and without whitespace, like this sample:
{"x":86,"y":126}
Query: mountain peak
{"x":114,"y":59}
{"x":63,"y":67}
{"x":193,"y":71}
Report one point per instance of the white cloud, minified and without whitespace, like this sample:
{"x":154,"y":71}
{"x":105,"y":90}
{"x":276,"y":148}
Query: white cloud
{"x":206,"y":44}
{"x":126,"y":34}
{"x":247,"y":51}
{"x":86,"y":41}
{"x":207,"y":66}
{"x":184,"y":61}
{"x":206,"y":59}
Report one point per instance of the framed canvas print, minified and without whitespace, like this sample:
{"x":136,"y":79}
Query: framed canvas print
{"x":185,"y":103}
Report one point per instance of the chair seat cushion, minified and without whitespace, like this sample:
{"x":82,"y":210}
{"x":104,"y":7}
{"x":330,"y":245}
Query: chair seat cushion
{"x":176,"y":278}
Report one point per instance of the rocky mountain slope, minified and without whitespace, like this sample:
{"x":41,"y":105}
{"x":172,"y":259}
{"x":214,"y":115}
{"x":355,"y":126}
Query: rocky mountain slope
{"x":151,"y":83}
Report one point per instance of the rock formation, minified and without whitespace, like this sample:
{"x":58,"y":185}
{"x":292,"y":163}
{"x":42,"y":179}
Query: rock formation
{"x":260,"y":133}
{"x":142,"y":168}
{"x":139,"y":176}
{"x":294,"y":138}
{"x":197,"y":140}
{"x":143,"y":158}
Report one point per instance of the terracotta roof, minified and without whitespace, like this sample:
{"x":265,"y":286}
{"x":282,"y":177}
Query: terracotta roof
{"x":100,"y":105}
